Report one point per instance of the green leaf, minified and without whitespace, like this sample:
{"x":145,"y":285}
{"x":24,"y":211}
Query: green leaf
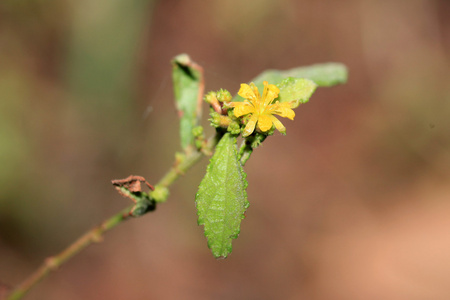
{"x":327,"y":74}
{"x":188,"y":89}
{"x":298,"y":90}
{"x":221,"y":199}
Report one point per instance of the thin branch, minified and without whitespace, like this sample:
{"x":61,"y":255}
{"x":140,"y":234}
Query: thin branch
{"x":190,"y":160}
{"x":52,"y":263}
{"x":96,"y":234}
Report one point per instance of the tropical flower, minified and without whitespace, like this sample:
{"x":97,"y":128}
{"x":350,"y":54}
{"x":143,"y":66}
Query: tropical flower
{"x":261,"y":109}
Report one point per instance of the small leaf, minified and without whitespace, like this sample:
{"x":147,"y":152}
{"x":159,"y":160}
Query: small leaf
{"x":221,"y":199}
{"x":327,"y":74}
{"x":188,"y":89}
{"x":298,"y":90}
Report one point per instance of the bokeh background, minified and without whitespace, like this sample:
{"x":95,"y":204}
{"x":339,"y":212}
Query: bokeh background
{"x":354,"y":203}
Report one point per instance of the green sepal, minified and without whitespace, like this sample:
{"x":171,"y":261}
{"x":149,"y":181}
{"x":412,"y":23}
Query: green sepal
{"x":223,"y":95}
{"x":234,"y":128}
{"x":221,"y":199}
{"x":297,"y":90}
{"x":188,"y":89}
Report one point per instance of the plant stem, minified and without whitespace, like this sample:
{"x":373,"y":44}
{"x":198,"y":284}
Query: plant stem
{"x":96,"y":233}
{"x":52,"y":263}
{"x":188,"y":162}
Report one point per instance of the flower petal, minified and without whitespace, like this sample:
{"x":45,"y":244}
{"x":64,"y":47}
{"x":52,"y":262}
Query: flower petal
{"x":270,"y":93}
{"x":264,"y":123}
{"x":278,"y":125}
{"x":247,"y":92}
{"x":250,"y":127}
{"x":242,"y":108}
{"x":255,"y":91}
{"x":284,"y":110}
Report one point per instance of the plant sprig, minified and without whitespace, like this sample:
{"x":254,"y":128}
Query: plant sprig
{"x":221,"y":199}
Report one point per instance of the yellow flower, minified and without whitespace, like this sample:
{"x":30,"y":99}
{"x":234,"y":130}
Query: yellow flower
{"x":261,"y":109}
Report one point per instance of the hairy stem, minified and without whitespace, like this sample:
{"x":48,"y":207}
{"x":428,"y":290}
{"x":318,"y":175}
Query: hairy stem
{"x":96,"y":233}
{"x":244,"y":152}
{"x":247,"y":146}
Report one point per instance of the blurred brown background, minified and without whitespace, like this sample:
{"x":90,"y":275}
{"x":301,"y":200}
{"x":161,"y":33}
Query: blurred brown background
{"x":352,"y":204}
